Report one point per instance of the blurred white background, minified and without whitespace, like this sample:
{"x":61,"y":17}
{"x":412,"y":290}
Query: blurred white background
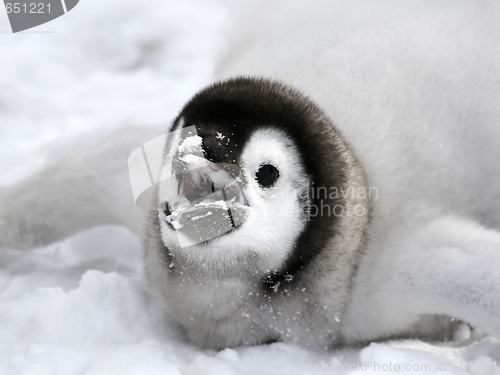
{"x":101,"y":66}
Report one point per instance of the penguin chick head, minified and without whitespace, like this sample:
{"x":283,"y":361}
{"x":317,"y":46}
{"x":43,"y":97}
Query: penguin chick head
{"x":242,"y":164}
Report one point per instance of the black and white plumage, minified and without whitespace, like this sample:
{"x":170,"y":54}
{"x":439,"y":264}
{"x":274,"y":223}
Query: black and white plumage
{"x":399,"y":112}
{"x":239,"y":282}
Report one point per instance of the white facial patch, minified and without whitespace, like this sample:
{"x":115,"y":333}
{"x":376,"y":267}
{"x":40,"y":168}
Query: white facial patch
{"x":275,"y":218}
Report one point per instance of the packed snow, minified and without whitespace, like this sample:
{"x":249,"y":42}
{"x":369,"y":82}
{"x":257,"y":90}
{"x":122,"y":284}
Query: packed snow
{"x":82,"y":306}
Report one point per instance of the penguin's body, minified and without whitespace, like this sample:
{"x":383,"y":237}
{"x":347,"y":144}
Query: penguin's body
{"x":356,"y":212}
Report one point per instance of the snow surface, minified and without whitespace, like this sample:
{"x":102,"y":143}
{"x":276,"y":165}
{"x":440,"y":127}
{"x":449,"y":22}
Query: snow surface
{"x":82,"y":306}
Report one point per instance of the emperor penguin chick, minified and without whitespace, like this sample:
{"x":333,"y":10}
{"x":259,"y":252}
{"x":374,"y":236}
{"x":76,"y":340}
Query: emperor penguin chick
{"x":268,"y":253}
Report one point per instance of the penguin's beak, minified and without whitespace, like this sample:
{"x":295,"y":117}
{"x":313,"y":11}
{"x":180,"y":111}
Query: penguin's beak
{"x":203,"y":178}
{"x":210,"y":202}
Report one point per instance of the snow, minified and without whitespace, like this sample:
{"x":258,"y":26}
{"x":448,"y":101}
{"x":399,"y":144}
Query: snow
{"x":191,"y":144}
{"x":194,"y":218}
{"x":82,"y":306}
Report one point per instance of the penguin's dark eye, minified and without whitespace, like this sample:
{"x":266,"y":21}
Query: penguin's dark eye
{"x":267,"y":175}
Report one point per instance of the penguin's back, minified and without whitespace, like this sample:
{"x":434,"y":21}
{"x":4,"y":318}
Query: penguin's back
{"x":414,"y":88}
